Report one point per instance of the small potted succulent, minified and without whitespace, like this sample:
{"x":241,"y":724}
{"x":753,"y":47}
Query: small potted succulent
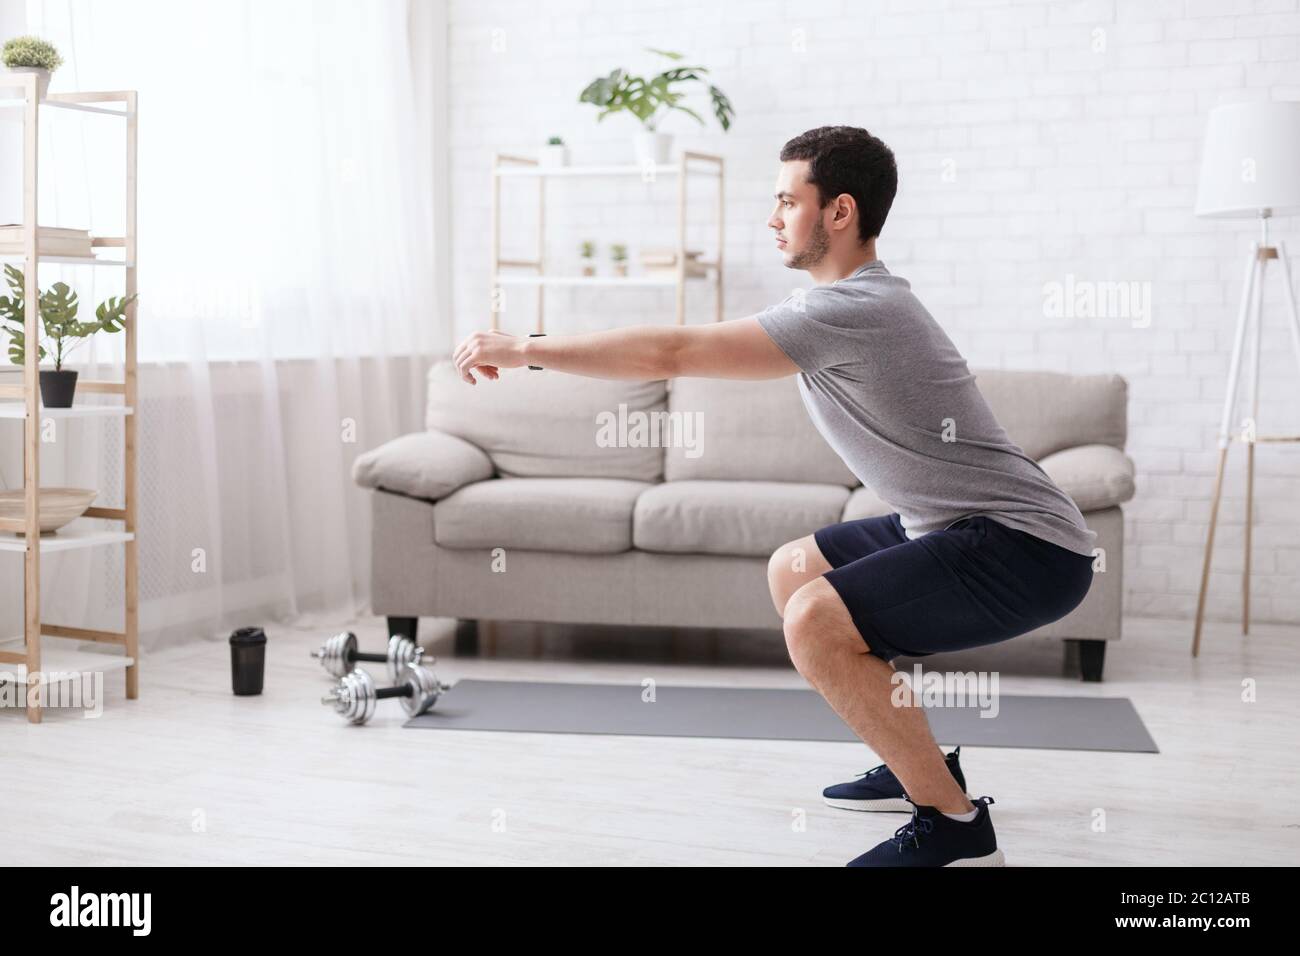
{"x":650,"y":99}
{"x":29,"y":54}
{"x":618,"y":252}
{"x":555,"y":153}
{"x":62,"y":330}
{"x":588,"y":252}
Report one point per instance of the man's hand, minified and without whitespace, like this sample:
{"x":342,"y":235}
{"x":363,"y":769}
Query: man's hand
{"x":486,"y":352}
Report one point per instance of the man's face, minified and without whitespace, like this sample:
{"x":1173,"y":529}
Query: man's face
{"x":800,"y":233}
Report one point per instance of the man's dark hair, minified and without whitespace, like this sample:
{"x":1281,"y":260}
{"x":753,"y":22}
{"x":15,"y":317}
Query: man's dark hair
{"x":848,"y":159}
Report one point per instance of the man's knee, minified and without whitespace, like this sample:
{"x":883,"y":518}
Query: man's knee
{"x":817,"y":622}
{"x":792,"y":566}
{"x":809,"y":615}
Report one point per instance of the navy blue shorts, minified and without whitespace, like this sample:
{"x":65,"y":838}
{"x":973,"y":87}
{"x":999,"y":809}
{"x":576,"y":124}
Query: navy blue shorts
{"x":976,"y":582}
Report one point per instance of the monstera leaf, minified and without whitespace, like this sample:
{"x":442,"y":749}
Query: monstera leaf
{"x":646,"y":99}
{"x":18,"y":347}
{"x":60,"y":325}
{"x":112,"y":314}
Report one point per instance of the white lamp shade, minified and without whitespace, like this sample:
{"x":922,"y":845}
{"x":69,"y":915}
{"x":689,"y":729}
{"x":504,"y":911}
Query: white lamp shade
{"x":1250,"y":163}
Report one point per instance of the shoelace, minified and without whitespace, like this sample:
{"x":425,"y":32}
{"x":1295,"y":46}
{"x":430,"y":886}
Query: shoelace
{"x":882,"y":767}
{"x":908,"y":831}
{"x":873,"y":770}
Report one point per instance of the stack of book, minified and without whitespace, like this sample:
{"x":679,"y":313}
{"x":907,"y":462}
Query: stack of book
{"x":50,"y":241}
{"x":664,"y":262}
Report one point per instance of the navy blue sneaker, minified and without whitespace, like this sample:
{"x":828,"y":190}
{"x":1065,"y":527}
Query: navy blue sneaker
{"x":933,"y":839}
{"x":879,"y":789}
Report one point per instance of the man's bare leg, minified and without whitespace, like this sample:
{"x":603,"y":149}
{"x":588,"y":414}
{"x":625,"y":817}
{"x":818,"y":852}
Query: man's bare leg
{"x":795,"y":564}
{"x":828,"y":651}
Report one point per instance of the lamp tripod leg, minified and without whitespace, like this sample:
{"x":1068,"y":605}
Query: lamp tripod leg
{"x":1229,"y":404}
{"x":1209,"y":551}
{"x":1255,"y":333}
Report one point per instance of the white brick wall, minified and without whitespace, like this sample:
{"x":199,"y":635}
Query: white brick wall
{"x":1073,"y":129}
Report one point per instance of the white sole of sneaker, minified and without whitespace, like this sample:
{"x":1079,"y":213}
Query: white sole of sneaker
{"x":899,"y":805}
{"x":892,"y":805}
{"x":993,"y":859}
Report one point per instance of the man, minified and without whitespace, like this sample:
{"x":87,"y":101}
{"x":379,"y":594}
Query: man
{"x":982,"y":547}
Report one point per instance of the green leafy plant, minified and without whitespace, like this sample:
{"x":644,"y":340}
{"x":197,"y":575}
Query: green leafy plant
{"x":618,"y":252}
{"x":31,"y":51}
{"x":649,"y":100}
{"x":588,"y":249}
{"x":555,"y":141}
{"x":58,"y":313}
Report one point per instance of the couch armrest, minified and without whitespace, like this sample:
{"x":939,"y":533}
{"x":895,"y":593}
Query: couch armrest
{"x":429,"y":464}
{"x":1095,"y":476}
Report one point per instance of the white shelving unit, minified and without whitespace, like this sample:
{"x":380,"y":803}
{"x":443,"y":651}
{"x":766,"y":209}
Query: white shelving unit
{"x":689,"y":164}
{"x":18,"y":101}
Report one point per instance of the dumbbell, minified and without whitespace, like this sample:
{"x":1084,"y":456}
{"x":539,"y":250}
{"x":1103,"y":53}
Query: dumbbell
{"x":356,"y":695}
{"x":339,"y":654}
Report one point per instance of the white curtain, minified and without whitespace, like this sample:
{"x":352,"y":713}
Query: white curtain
{"x":287,"y":305}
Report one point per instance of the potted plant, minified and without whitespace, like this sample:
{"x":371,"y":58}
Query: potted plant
{"x":29,"y":54}
{"x":588,"y":253}
{"x":618,"y":252}
{"x":555,"y":153}
{"x":649,"y":100}
{"x":62,"y":330}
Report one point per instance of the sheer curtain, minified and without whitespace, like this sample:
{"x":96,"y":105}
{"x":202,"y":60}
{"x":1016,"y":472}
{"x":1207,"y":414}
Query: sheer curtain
{"x":287,"y":304}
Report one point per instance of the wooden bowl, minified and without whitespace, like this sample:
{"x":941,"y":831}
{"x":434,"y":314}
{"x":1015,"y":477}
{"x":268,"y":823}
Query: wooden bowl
{"x":58,"y":506}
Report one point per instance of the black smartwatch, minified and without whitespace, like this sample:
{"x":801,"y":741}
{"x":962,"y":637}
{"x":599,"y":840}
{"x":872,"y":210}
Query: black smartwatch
{"x":533,"y":335}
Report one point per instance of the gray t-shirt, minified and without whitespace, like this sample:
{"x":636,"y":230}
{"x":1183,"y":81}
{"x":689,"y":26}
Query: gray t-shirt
{"x":893,"y":397}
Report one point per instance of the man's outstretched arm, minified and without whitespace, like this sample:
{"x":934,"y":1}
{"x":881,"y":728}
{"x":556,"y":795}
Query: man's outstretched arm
{"x":738,"y":348}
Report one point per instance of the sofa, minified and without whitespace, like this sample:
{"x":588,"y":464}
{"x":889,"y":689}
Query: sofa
{"x":556,"y":498}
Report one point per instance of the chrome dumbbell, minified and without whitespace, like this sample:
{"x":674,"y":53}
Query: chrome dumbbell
{"x":339,"y":654}
{"x":356,"y":695}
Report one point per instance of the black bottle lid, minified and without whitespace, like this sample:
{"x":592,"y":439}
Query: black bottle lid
{"x":248,"y":635}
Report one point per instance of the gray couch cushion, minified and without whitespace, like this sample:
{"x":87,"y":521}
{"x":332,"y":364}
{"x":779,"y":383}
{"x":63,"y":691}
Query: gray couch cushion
{"x":428,"y":464}
{"x":544,"y":424}
{"x":865,"y":503}
{"x":752,"y":430}
{"x":1044,"y":412}
{"x":582,"y":515}
{"x":1095,"y":476}
{"x":748,"y":518}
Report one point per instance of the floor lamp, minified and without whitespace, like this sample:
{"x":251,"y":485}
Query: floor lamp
{"x":1250,"y":169}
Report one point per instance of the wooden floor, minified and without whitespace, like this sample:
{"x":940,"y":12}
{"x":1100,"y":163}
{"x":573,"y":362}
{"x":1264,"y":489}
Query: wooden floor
{"x":188,"y":773}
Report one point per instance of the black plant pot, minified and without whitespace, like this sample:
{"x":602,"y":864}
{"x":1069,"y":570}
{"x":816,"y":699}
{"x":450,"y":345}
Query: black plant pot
{"x":58,"y":388}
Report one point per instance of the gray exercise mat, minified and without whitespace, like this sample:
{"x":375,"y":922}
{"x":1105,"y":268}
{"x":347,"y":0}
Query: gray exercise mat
{"x":1052,"y":723}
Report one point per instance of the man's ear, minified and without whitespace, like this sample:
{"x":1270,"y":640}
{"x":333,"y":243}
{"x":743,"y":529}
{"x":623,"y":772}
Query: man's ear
{"x":843,"y":208}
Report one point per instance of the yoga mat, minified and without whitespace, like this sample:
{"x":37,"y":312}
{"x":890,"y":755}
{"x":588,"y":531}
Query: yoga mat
{"x":1051,"y":723}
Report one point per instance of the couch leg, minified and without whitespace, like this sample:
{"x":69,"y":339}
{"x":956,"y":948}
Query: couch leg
{"x":1092,"y":655}
{"x":403,"y":626}
{"x":466,"y":638}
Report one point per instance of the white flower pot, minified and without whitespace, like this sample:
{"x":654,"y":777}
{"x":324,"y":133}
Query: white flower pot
{"x":554,"y":156}
{"x":42,"y":78}
{"x":652,"y":146}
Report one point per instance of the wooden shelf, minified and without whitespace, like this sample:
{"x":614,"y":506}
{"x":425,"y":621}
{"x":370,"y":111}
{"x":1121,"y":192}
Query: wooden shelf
{"x":66,"y":260}
{"x":664,"y":281}
{"x":57,"y":101}
{"x":64,"y":660}
{"x":17,"y":410}
{"x":650,"y":169}
{"x":70,"y":537}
